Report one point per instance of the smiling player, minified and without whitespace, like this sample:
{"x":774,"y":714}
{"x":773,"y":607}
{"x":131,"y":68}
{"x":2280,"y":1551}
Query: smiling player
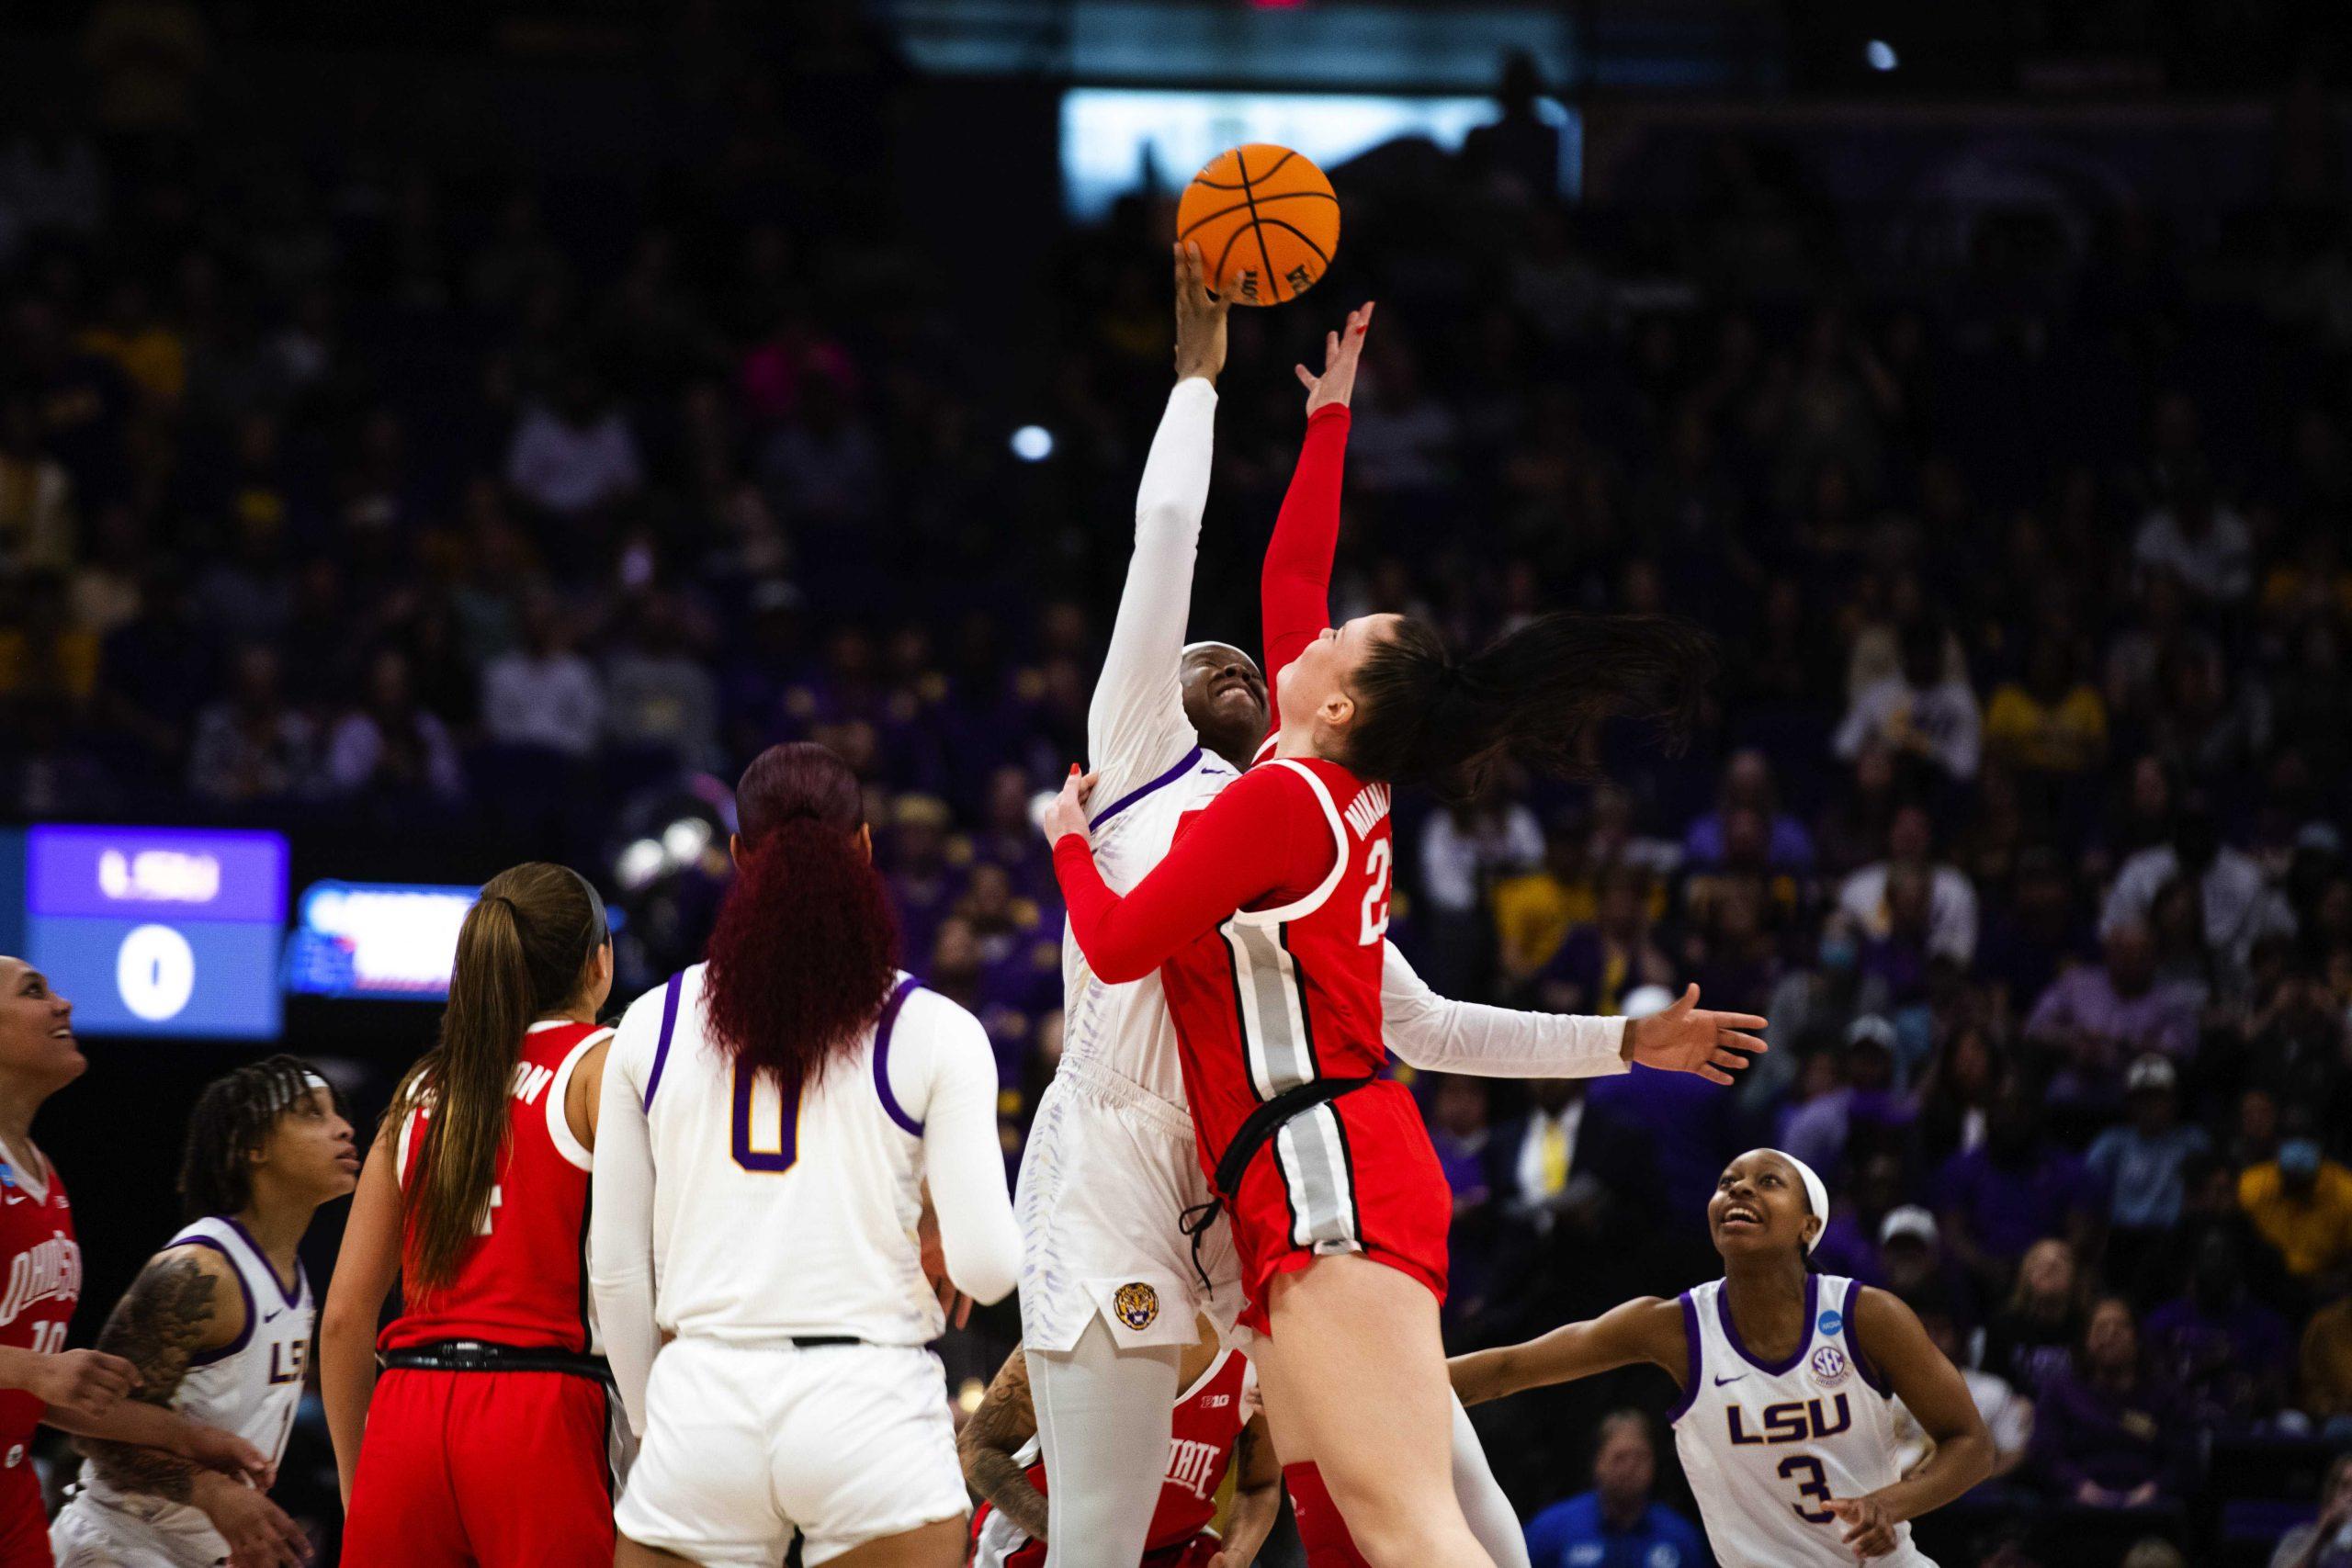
{"x":1786,"y":1423}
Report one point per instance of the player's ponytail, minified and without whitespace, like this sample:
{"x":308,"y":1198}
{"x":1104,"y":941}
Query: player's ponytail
{"x":1538,"y":694}
{"x":805,"y":949}
{"x":523,"y":952}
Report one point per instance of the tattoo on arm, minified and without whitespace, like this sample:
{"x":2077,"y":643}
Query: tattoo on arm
{"x":157,"y":1326}
{"x":1005,"y":1420}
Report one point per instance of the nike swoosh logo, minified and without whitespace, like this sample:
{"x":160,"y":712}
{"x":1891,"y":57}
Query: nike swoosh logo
{"x":1733,"y":1378}
{"x":273,"y":1317}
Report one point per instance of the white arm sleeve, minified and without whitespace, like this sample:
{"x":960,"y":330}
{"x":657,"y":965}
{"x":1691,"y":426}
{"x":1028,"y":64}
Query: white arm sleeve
{"x":1432,"y":1032}
{"x":943,"y":1072}
{"x":1136,"y":727}
{"x":620,"y":1224}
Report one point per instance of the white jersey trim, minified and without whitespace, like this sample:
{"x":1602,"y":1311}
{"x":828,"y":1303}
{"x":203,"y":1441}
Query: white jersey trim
{"x":1302,"y":907}
{"x":574,"y":1152}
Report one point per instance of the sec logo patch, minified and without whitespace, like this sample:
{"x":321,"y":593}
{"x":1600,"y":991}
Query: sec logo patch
{"x":1137,"y":1304}
{"x":1829,"y":1365}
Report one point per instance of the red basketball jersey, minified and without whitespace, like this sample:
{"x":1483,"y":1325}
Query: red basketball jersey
{"x":524,"y":1281}
{"x":44,"y":1281}
{"x":1275,"y":997}
{"x":1208,"y":1419}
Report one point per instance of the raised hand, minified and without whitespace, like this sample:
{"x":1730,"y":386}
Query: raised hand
{"x":1341,"y":349}
{"x":1687,"y":1039}
{"x":1066,"y":815}
{"x":1200,"y":317}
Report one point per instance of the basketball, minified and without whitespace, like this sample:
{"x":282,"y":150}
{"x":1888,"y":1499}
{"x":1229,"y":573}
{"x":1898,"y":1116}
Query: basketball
{"x":1266,"y":219}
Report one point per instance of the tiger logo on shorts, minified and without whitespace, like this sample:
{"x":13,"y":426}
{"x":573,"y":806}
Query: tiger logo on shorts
{"x":1137,"y":1305}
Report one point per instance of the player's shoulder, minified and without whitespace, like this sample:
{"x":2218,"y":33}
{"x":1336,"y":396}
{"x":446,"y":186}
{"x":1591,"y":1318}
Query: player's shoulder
{"x":643,"y":1018}
{"x":195,"y":1264}
{"x":925,"y":1012}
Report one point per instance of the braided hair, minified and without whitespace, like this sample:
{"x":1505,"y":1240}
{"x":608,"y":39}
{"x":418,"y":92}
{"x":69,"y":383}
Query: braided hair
{"x":233,"y":1122}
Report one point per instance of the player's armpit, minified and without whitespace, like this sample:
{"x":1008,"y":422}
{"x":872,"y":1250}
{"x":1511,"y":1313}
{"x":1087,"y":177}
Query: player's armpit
{"x":1005,"y":1420}
{"x":1648,"y":1329}
{"x":183,"y":1302}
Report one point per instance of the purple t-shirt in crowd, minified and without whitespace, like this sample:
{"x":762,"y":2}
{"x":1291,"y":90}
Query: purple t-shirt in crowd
{"x":2008,"y":1211}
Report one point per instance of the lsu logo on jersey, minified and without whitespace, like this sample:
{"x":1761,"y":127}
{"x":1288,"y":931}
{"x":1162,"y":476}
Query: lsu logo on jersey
{"x":1137,"y":1304}
{"x":1790,"y":1421}
{"x":287,"y":1359}
{"x":1829,"y":1366}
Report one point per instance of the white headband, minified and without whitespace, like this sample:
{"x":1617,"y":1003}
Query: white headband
{"x":1815,"y":1195}
{"x":1191,"y":647}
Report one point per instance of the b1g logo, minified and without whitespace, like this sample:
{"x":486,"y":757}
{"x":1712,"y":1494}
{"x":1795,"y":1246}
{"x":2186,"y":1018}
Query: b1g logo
{"x":1137,"y":1304}
{"x":1829,"y":1366}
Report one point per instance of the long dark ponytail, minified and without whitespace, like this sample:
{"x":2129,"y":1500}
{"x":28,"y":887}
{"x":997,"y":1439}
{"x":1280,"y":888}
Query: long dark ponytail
{"x":523,"y":952}
{"x":805,"y":948}
{"x":1537,"y":695}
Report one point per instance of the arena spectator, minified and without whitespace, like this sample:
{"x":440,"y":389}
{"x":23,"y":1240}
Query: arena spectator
{"x":1600,"y":963}
{"x":2326,"y":1541}
{"x":2140,"y":1166}
{"x":2197,"y":538}
{"x":2009,"y":1415}
{"x":1747,"y":784}
{"x":1950,"y":900}
{"x":2302,"y":1202}
{"x":250,"y":747}
{"x":2032,"y":1335}
{"x":2091,"y":1015}
{"x":1922,"y":714}
{"x":2051,"y":721}
{"x":2239,"y":907}
{"x":2227,"y":1353}
{"x":541,"y":694}
{"x":2017,"y":1188}
{"x":2107,"y":1434}
{"x":2324,"y":1381}
{"x":388,"y":748}
{"x":574,"y":452}
{"x":1619,"y":1522}
{"x":657,"y":695}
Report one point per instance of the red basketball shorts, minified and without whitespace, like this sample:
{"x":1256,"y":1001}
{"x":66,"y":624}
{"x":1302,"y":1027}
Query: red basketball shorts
{"x":24,"y":1520}
{"x":504,"y":1470}
{"x":1355,"y":1174}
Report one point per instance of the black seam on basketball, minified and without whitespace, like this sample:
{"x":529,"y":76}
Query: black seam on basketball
{"x":1217,"y":272}
{"x":1187,"y":232}
{"x":1264,"y":223}
{"x":1203,"y":181}
{"x":1188,"y":229}
{"x":1265,"y":254}
{"x":1288,"y":153}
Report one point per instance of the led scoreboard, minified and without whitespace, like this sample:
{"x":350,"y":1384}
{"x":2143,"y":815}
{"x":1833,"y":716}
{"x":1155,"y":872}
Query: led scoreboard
{"x":159,"y":930}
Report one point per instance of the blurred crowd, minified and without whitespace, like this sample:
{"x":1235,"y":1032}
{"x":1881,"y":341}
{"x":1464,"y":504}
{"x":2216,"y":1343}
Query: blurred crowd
{"x":488,"y":516}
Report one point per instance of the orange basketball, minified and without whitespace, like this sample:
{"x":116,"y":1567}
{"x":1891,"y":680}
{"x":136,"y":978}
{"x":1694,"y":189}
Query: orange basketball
{"x":1266,"y":222}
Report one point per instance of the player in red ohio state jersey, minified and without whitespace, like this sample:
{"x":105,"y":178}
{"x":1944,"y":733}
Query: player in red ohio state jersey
{"x":41,"y":1281}
{"x":1264,"y":922}
{"x":1213,"y":1429}
{"x":486,"y":1441}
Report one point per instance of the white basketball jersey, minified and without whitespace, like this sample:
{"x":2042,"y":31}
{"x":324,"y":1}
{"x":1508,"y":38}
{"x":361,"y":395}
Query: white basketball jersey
{"x":1126,"y":1029}
{"x":1767,"y":1446}
{"x":777,"y":1218}
{"x":252,"y":1387}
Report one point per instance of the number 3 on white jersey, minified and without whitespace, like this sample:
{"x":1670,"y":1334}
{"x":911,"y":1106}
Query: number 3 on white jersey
{"x":1376,"y":899}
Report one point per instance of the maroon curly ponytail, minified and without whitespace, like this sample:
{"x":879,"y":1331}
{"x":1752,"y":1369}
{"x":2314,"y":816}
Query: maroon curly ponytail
{"x":805,"y":949}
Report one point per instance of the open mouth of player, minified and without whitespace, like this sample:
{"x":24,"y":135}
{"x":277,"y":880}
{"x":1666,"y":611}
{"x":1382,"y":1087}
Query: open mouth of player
{"x":63,"y":1032}
{"x":1233,"y":683}
{"x":1740,"y":1216}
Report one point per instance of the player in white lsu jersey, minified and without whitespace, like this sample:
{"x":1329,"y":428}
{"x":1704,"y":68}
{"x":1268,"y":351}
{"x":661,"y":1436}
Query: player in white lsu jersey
{"x":761,"y":1163}
{"x":1786,"y":1425}
{"x":219,"y":1323}
{"x":1109,"y":1290}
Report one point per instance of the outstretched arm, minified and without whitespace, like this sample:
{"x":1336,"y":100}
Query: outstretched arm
{"x":1265,"y":833}
{"x":1136,"y":725}
{"x":1443,"y":1035}
{"x":1294,"y":589}
{"x":1649,"y":1329}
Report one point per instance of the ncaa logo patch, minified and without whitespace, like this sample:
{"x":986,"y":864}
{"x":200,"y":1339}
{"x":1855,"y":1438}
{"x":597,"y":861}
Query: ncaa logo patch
{"x":1829,"y":1366}
{"x":1137,"y":1304}
{"x":1829,"y":1323}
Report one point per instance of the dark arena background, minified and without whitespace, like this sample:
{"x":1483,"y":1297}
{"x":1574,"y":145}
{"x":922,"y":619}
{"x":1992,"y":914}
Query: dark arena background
{"x":437,"y":436}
